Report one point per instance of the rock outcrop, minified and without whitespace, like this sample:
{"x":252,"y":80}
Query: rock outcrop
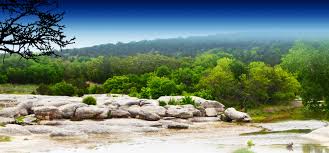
{"x":235,"y":115}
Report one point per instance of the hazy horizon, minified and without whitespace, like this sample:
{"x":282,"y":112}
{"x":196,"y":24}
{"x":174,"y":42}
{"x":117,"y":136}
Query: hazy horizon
{"x":104,"y":22}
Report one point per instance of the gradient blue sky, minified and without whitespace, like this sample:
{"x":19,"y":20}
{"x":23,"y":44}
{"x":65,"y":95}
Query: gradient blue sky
{"x":104,"y":21}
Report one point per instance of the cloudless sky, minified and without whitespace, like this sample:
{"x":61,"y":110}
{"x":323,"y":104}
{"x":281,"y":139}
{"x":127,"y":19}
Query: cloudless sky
{"x":95,"y":22}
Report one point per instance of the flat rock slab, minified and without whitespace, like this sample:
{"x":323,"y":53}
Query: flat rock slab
{"x":291,"y":125}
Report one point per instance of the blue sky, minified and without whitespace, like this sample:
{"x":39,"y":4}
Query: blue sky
{"x":100,"y":21}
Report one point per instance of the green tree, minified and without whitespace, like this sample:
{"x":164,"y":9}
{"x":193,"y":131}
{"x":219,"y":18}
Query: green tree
{"x":63,"y":89}
{"x":157,"y":87}
{"x":117,"y":84}
{"x":310,"y":63}
{"x":221,"y":82}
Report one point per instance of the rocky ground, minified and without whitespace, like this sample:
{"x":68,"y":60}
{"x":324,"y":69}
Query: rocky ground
{"x":68,"y":116}
{"x":57,"y":122}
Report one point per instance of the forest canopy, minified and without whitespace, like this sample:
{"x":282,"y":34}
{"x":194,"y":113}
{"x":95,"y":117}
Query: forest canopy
{"x":237,"y":77}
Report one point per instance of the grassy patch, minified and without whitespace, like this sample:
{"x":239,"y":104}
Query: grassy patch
{"x":274,"y":113}
{"x":4,"y":138}
{"x":17,"y":89}
{"x":264,"y":131}
{"x":243,"y":150}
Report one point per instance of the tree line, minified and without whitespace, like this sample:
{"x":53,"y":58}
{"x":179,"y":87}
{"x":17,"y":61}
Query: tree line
{"x":236,"y":77}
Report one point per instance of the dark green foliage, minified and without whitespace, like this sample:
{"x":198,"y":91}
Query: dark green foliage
{"x":133,"y":92}
{"x":162,"y":71}
{"x":204,"y":93}
{"x":95,"y":89}
{"x":229,"y":74}
{"x":3,"y":79}
{"x":173,"y":102}
{"x":89,"y":100}
{"x":309,"y":61}
{"x":187,"y":100}
{"x":63,"y":89}
{"x":162,"y":103}
{"x":161,"y":87}
{"x":242,"y":46}
{"x":44,"y":90}
{"x":117,"y":84}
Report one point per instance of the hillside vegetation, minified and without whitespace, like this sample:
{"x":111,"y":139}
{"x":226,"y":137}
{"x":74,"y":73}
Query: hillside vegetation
{"x":246,"y":78}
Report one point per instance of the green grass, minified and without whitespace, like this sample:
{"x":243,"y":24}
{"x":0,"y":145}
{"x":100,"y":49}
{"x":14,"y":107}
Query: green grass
{"x":243,"y":150}
{"x":4,"y":138}
{"x":289,"y":111}
{"x":264,"y":131}
{"x":17,"y":88}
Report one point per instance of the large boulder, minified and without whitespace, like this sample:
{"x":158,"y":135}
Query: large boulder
{"x":149,"y":115}
{"x":179,"y":112}
{"x":134,"y":110}
{"x":211,"y":112}
{"x":47,"y":112}
{"x":159,"y":110}
{"x":91,"y":112}
{"x":192,"y":109}
{"x":237,"y":115}
{"x":213,"y":104}
{"x":26,"y":106}
{"x":68,"y":110}
{"x":120,"y":113}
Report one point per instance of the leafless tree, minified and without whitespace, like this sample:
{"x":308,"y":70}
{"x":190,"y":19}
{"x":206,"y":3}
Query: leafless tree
{"x":31,"y":28}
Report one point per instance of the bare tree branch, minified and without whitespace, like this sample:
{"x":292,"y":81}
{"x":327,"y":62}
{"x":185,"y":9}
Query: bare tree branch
{"x":32,"y":28}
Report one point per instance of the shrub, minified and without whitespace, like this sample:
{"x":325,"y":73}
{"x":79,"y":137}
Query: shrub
{"x":43,"y":90}
{"x":145,"y":93}
{"x":187,"y":100}
{"x":133,"y":92}
{"x":80,"y":92}
{"x":250,"y":143}
{"x":89,"y":100}
{"x":243,"y":150}
{"x":206,"y":94}
{"x":162,"y":103}
{"x":63,"y":89}
{"x":95,"y":89}
{"x":161,"y":87}
{"x":117,"y":84}
{"x":3,"y":79}
{"x":173,"y":102}
{"x":162,"y":71}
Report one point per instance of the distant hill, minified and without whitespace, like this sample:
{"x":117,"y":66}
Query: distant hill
{"x":191,"y":46}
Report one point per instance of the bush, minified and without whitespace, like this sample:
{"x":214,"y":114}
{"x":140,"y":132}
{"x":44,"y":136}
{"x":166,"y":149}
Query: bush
{"x":63,"y":89}
{"x":3,"y":79}
{"x":117,"y":84}
{"x":89,"y":100}
{"x":187,"y":100}
{"x":161,"y":87}
{"x":173,"y":102}
{"x":203,"y":93}
{"x":162,"y":71}
{"x":145,"y":93}
{"x":162,"y":103}
{"x":95,"y":89}
{"x":133,"y":92}
{"x":43,"y":90}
